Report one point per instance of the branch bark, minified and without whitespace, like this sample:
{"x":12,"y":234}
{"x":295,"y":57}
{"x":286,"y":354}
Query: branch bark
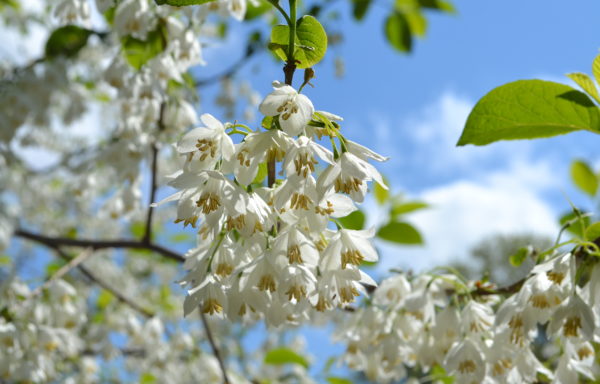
{"x":215,"y":349}
{"x":54,"y":242}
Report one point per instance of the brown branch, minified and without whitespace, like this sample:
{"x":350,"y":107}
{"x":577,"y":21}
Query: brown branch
{"x":214,"y":347}
{"x":153,"y":175}
{"x":103,"y":284}
{"x":54,"y":242}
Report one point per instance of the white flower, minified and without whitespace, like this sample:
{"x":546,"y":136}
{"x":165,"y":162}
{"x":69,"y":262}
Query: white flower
{"x":300,"y":159}
{"x":465,"y":361}
{"x":294,"y":110}
{"x":71,"y":11}
{"x":204,"y":146}
{"x":349,"y":247}
{"x":573,"y":320}
{"x":209,"y":296}
{"x":349,"y":175}
{"x":476,"y":318}
{"x":133,"y":17}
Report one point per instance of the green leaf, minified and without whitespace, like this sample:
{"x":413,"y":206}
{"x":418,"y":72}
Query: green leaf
{"x":585,"y":83}
{"x":137,"y":228}
{"x":397,"y":32}
{"x":355,"y":220}
{"x":417,"y":23}
{"x":280,"y":356}
{"x":4,"y":260}
{"x":67,"y":41}
{"x":360,"y":8}
{"x":584,"y":178}
{"x":402,"y":208}
{"x":596,"y":69}
{"x":54,"y":266}
{"x":400,"y":233}
{"x":338,"y":380}
{"x":529,"y":109}
{"x":438,"y":374}
{"x":310,"y":42}
{"x":139,"y":52}
{"x":104,"y":299}
{"x":519,"y":257}
{"x":592,"y":232}
{"x":578,"y":223}
{"x":181,"y":3}
{"x":381,"y":194}
{"x":147,"y":378}
{"x":256,"y":8}
{"x":439,"y":5}
{"x":180,"y":237}
{"x":262,"y":173}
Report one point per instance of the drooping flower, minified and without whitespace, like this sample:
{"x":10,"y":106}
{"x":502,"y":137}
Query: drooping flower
{"x":294,"y":110}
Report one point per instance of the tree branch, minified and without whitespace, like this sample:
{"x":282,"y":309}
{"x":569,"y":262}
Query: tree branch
{"x":153,"y":175}
{"x":54,"y":242}
{"x":103,"y":284}
{"x":214,"y":347}
{"x":72,"y":263}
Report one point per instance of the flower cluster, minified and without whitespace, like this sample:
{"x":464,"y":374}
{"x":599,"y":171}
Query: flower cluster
{"x":273,"y":249}
{"x":474,"y":336}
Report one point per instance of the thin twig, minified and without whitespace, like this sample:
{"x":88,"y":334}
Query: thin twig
{"x":153,"y":176}
{"x":73,"y":263}
{"x":214,"y":347}
{"x":53,"y":242}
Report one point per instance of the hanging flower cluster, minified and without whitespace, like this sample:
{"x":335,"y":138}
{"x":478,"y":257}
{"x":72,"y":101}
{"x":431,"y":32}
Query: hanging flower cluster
{"x":438,"y":321}
{"x":273,"y":249}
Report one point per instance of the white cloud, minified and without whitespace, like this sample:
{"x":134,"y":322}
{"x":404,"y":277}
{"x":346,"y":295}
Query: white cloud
{"x":463,"y":212}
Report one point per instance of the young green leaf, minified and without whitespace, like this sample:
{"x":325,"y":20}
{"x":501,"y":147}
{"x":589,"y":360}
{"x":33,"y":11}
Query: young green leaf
{"x":402,"y":208}
{"x":355,"y":220}
{"x":338,"y":380}
{"x":400,"y":233}
{"x":139,"y":52}
{"x":519,"y":257}
{"x":417,"y":22}
{"x":596,"y":69}
{"x":67,"y":41}
{"x":381,"y":194}
{"x":310,"y":42}
{"x":439,"y":5}
{"x":529,"y":109}
{"x":397,"y":31}
{"x":584,"y":178}
{"x":593,"y":231}
{"x":577,"y":225}
{"x":280,"y":356}
{"x":585,"y":83}
{"x":360,"y":8}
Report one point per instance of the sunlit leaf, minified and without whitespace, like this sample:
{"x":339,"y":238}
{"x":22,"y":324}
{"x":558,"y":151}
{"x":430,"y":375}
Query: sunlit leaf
{"x":310,"y":42}
{"x":355,"y":220}
{"x":585,"y":83}
{"x":528,"y":109}
{"x":584,"y":178}
{"x":398,"y":33}
{"x":67,"y":41}
{"x":280,"y":356}
{"x":400,"y":233}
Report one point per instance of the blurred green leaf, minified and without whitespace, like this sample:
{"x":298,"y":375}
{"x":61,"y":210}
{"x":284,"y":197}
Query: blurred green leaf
{"x":439,"y":5}
{"x":280,"y":356}
{"x":67,"y":41}
{"x":585,"y":83}
{"x":397,"y":32}
{"x":519,"y":257}
{"x":584,"y":178}
{"x":137,"y":228}
{"x":401,"y":208}
{"x":355,"y":220}
{"x":360,"y":8}
{"x":180,"y":237}
{"x":338,"y":380}
{"x":104,"y":299}
{"x":256,"y":8}
{"x":596,"y":69}
{"x":147,"y":378}
{"x":139,"y":52}
{"x":5,"y":260}
{"x":381,"y":194}
{"x":262,"y":173}
{"x":578,"y":224}
{"x":400,"y":233}
{"x":54,"y":266}
{"x":592,"y":232}
{"x":417,"y":23}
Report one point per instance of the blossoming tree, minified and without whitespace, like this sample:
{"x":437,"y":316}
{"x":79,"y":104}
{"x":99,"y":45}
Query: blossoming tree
{"x":269,"y":204}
